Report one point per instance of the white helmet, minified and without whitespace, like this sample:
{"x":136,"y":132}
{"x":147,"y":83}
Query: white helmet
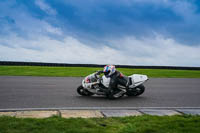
{"x":109,"y":70}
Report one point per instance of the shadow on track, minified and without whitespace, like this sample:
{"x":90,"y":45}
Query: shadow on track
{"x":103,"y":98}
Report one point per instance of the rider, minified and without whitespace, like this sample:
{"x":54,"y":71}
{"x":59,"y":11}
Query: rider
{"x":116,"y":78}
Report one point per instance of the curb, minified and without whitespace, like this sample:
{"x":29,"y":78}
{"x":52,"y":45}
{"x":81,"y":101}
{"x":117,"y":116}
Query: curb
{"x":98,"y":113}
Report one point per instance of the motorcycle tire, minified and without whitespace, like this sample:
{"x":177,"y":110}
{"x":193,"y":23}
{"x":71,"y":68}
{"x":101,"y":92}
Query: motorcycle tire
{"x":83,"y":91}
{"x":137,"y":91}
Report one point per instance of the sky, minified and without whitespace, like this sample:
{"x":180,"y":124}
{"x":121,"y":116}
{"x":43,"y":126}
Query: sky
{"x":123,"y":32}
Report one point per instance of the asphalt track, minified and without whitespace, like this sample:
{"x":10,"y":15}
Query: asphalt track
{"x":60,"y":92}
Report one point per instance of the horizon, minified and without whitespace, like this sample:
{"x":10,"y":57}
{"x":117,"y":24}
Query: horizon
{"x":155,"y":66}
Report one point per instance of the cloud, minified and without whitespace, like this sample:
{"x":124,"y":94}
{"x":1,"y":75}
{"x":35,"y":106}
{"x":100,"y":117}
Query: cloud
{"x":147,"y":51}
{"x":158,"y":50}
{"x":21,"y":22}
{"x":69,"y":51}
{"x":176,"y":19}
{"x":45,"y":7}
{"x":93,"y":19}
{"x":53,"y":30}
{"x":129,"y":32}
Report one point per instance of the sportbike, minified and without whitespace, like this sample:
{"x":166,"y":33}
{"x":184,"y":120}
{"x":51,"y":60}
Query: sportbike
{"x":97,"y":87}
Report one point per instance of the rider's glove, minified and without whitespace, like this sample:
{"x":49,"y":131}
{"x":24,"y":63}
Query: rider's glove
{"x":99,"y":72}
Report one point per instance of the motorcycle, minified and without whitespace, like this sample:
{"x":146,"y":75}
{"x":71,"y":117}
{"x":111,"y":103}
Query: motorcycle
{"x":135,"y":86}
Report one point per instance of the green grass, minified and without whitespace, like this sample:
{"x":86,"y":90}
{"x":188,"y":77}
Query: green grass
{"x":83,"y":71}
{"x":139,"y":124}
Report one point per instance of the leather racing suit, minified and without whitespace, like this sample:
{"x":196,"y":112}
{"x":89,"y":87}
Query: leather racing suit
{"x":116,"y":79}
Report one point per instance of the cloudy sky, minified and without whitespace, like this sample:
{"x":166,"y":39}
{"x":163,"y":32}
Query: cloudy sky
{"x":129,"y":32}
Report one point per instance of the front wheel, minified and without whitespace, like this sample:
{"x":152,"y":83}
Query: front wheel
{"x":83,"y":91}
{"x":136,"y":91}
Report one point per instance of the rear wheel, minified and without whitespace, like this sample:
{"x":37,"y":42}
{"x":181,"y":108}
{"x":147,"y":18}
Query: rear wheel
{"x":136,"y":91}
{"x":83,"y":91}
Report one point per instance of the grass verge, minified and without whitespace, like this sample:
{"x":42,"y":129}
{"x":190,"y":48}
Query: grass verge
{"x":83,"y":71}
{"x":139,"y":124}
